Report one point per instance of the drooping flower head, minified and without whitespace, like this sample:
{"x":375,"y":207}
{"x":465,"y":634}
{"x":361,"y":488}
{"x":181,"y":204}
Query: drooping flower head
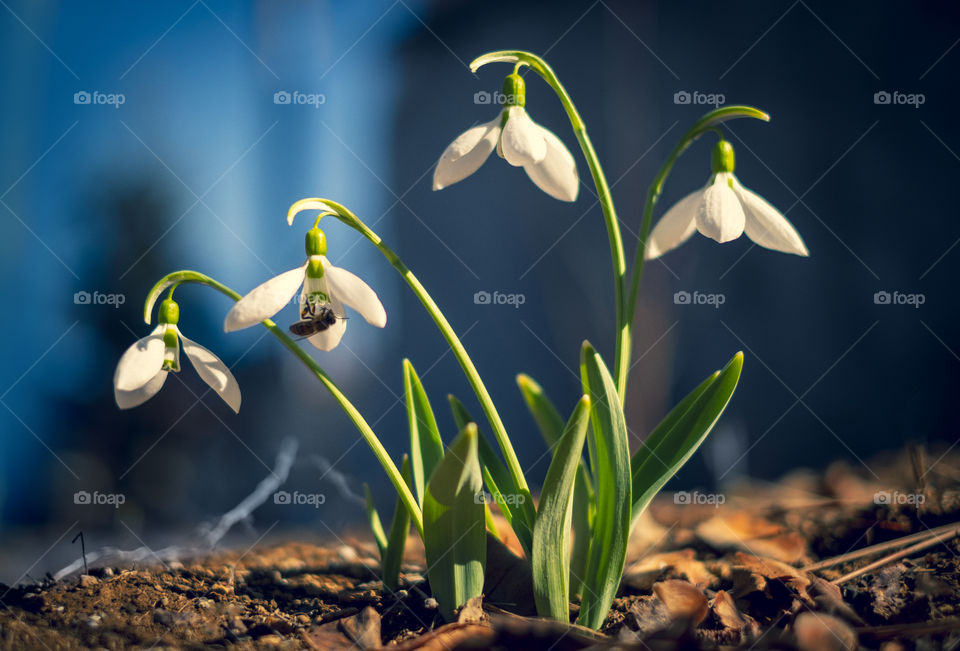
{"x":723,"y":210}
{"x":143,"y":368}
{"x":326,"y":289}
{"x":518,"y":140}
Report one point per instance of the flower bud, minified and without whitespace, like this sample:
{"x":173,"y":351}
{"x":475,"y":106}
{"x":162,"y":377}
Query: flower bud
{"x":514,"y":90}
{"x":315,"y":242}
{"x":722,"y":158}
{"x":169,"y":312}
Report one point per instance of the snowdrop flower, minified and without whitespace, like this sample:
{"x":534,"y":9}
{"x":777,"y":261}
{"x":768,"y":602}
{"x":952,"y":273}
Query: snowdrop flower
{"x":143,"y":368}
{"x":723,"y":210}
{"x":326,"y":289}
{"x":519,"y":140}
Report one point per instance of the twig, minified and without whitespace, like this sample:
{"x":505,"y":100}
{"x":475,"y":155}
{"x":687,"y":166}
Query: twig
{"x":206,"y":537}
{"x":936,"y":540}
{"x":83,"y":550}
{"x":880,"y":547}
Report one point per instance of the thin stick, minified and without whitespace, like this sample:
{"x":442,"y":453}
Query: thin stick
{"x":936,"y":540}
{"x":880,"y":547}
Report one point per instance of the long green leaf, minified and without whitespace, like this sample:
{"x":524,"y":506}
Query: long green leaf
{"x":454,"y":537}
{"x":426,"y":446}
{"x":373,"y":519}
{"x":551,"y":425}
{"x":498,"y":480}
{"x":681,"y":433}
{"x":551,"y":535}
{"x":611,"y":526}
{"x":549,"y":420}
{"x":399,"y":530}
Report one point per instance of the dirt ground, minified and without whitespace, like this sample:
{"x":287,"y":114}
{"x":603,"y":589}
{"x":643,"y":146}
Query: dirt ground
{"x":767,"y":565}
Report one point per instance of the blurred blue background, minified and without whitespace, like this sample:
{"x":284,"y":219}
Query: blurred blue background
{"x":198,"y":164}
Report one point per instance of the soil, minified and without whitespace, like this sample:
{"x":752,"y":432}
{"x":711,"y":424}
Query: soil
{"x":766,"y":568}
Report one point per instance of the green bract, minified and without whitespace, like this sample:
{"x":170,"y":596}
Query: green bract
{"x":452,"y":494}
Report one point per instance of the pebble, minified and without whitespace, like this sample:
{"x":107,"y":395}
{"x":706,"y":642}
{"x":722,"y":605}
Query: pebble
{"x":93,"y":621}
{"x":87,"y":581}
{"x":348,"y":553}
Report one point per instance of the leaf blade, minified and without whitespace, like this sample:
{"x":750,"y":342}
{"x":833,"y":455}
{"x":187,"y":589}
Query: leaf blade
{"x":551,"y":534}
{"x":426,"y":446}
{"x":611,"y":527}
{"x":454,"y":536}
{"x":668,"y":448}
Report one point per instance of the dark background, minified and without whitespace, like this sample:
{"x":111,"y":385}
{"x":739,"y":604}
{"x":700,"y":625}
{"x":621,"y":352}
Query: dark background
{"x":197,"y":168}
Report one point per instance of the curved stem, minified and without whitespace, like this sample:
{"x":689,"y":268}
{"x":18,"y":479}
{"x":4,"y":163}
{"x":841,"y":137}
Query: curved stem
{"x":473,"y":377}
{"x":181,"y":277}
{"x":538,"y":65}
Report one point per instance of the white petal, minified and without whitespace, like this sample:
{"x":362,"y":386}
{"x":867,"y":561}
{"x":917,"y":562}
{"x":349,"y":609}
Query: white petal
{"x":329,"y":338}
{"x":348,"y":288}
{"x":466,"y":154}
{"x":676,"y":226}
{"x":556,"y":174}
{"x":136,"y":397}
{"x":720,"y":215}
{"x":766,"y":226}
{"x":140,"y":362}
{"x":214,"y":372}
{"x":522,"y":142}
{"x":265,"y":300}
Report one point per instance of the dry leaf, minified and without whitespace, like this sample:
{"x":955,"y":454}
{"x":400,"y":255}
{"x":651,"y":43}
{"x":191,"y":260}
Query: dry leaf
{"x":727,"y":612}
{"x":740,"y":530}
{"x":683,"y":600}
{"x":821,"y":632}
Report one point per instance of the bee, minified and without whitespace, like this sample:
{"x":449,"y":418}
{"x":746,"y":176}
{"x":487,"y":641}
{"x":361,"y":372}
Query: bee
{"x":314,"y":318}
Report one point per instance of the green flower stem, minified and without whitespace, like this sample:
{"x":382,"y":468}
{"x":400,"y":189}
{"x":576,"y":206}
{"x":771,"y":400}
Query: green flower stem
{"x":538,"y":65}
{"x":706,"y":123}
{"x":473,"y":377}
{"x":180,"y":277}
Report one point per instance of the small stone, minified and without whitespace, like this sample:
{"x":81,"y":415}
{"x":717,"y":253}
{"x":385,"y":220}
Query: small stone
{"x":88,"y":581}
{"x":270,"y":640}
{"x":205,"y":604}
{"x":348,"y":553}
{"x":93,"y":621}
{"x":430,"y":603}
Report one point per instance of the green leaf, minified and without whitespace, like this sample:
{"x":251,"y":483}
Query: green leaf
{"x":549,"y":420}
{"x":426,"y":446}
{"x":551,"y":535}
{"x":551,"y":425}
{"x":611,"y":526}
{"x":497,"y":478}
{"x":582,"y":528}
{"x":681,"y":433}
{"x":373,"y":519}
{"x":399,"y":530}
{"x":454,"y":537}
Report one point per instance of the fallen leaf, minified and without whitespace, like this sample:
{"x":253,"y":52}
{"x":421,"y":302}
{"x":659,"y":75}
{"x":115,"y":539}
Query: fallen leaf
{"x":726,"y":611}
{"x":684,"y":601}
{"x":821,"y":632}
